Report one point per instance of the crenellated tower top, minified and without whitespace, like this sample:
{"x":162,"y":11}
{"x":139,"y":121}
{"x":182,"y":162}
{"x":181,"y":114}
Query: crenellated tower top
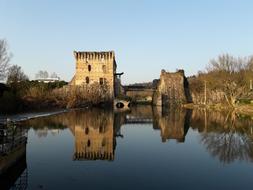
{"x":94,"y":55}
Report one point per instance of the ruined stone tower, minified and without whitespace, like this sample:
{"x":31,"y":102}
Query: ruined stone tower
{"x":95,"y":67}
{"x":172,"y":89}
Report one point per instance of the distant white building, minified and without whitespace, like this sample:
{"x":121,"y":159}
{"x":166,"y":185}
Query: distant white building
{"x":49,"y":79}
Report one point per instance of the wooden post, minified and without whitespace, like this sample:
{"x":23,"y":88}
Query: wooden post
{"x":205,"y":121}
{"x":250,"y":84}
{"x":205,"y":93}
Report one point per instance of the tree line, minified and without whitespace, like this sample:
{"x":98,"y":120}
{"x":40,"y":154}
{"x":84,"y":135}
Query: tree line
{"x":226,"y":78}
{"x":19,"y":93}
{"x":18,"y":88}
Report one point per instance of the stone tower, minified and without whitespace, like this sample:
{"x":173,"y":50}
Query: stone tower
{"x":172,"y":89}
{"x":95,"y":67}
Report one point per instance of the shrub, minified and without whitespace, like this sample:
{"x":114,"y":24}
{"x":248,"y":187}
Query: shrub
{"x":8,"y":102}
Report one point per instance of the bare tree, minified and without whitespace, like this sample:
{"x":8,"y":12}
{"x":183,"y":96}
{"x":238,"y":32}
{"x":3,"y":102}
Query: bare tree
{"x":54,"y":75}
{"x":249,"y":65}
{"x":229,"y":75}
{"x":42,"y":75}
{"x":233,"y":91}
{"x":228,"y":146}
{"x":4,"y":59}
{"x":15,"y":75}
{"x":227,"y":63}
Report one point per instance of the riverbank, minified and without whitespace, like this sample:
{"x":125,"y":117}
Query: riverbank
{"x":242,"y":109}
{"x":17,"y":117}
{"x":29,"y":115}
{"x":37,"y":113}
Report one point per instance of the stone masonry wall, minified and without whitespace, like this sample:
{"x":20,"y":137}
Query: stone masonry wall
{"x":172,"y":89}
{"x":95,"y":67}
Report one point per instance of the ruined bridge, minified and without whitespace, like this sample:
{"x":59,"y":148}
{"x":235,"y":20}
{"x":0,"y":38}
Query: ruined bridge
{"x":121,"y":104}
{"x":100,"y":68}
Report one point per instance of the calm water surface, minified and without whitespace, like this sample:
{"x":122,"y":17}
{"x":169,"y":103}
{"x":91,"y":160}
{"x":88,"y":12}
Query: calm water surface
{"x":142,"y":149}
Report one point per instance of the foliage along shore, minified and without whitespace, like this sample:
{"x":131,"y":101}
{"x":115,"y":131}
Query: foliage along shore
{"x":33,"y":95}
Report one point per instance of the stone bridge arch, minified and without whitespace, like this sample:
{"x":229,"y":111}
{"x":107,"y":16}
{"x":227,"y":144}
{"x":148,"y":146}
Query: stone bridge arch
{"x":121,"y":104}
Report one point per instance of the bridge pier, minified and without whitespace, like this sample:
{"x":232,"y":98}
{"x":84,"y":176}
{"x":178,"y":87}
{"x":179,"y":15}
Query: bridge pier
{"x":121,"y":104}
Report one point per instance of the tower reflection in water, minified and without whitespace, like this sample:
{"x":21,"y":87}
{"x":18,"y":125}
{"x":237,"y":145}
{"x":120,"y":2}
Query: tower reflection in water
{"x":95,"y":130}
{"x":227,"y":137}
{"x":13,"y":168}
{"x":94,"y":136}
{"x":173,"y":123}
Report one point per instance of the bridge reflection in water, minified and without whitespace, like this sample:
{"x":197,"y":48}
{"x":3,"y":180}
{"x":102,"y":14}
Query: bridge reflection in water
{"x":172,"y":123}
{"x":227,"y":137}
{"x":13,"y":168}
{"x":96,"y":131}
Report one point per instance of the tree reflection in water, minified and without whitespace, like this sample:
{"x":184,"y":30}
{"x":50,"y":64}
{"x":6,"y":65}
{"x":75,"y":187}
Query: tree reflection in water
{"x":226,"y":136}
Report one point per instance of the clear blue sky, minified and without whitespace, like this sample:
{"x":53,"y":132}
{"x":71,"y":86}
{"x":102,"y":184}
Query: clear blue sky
{"x":147,"y":36}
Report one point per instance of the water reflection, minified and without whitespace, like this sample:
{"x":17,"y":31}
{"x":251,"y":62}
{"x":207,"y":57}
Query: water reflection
{"x":13,"y":168}
{"x":174,"y":124}
{"x":139,"y":115}
{"x":94,"y":131}
{"x":52,"y":124}
{"x":94,"y":135}
{"x":226,"y":136}
{"x":104,"y":135}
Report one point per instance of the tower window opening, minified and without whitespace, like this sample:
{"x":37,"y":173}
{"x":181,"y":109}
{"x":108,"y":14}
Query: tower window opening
{"x":88,"y":143}
{"x":103,"y":142}
{"x":89,"y":68}
{"x":101,"y":81}
{"x":86,"y":130}
{"x":87,"y":79}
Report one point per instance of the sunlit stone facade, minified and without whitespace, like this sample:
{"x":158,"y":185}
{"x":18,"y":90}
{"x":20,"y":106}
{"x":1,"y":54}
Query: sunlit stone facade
{"x":172,"y":89}
{"x":94,"y":67}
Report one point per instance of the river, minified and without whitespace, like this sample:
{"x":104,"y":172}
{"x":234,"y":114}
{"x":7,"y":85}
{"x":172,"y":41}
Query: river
{"x":145,"y":148}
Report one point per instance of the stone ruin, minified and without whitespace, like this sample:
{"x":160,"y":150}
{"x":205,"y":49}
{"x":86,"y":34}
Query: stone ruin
{"x":100,"y":68}
{"x":172,"y":89}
